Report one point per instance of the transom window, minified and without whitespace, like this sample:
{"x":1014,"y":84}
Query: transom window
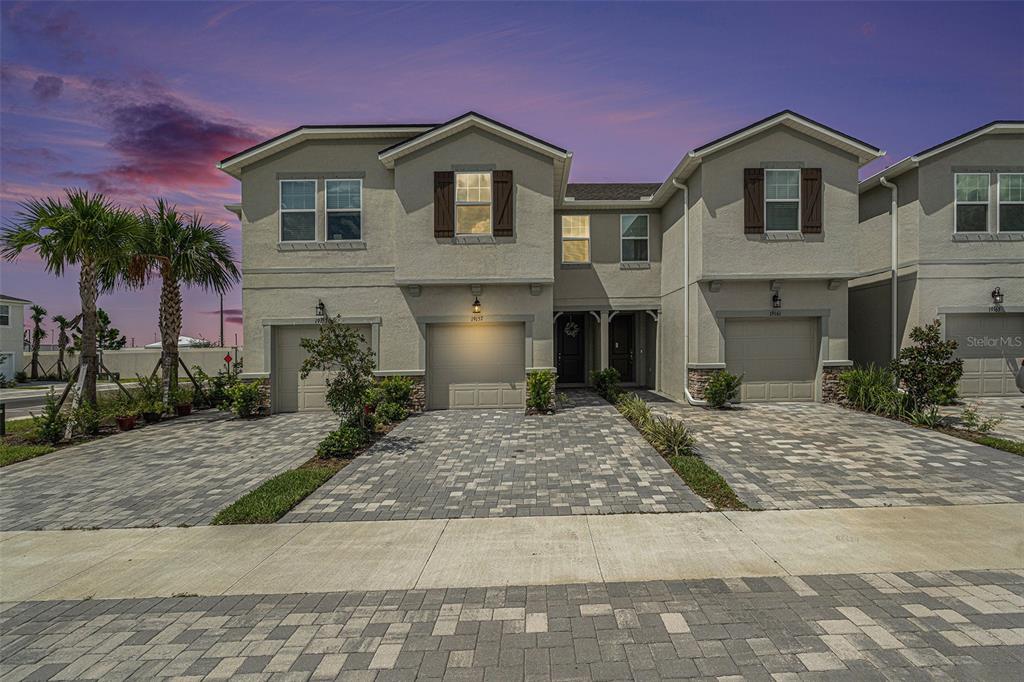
{"x":971,"y":202}
{"x":5,"y":316}
{"x":575,"y":239}
{"x":298,"y":210}
{"x":781,"y":199}
{"x":472,"y":203}
{"x":1011,"y":202}
{"x":344,"y":209}
{"x":634,"y":232}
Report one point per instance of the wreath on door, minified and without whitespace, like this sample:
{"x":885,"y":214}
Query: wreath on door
{"x":571,"y":329}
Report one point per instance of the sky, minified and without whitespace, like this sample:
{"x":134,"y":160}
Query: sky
{"x":141,"y":99}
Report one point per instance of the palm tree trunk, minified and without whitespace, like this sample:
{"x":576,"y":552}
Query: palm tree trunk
{"x":35,"y":351}
{"x":170,"y":328}
{"x":88,"y":291}
{"x":60,"y":359}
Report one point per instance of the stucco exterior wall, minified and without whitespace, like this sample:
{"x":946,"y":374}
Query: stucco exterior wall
{"x":11,"y":339}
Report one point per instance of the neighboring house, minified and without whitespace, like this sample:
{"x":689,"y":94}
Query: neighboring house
{"x":466,"y":259}
{"x":960,"y":255}
{"x":12,"y":334}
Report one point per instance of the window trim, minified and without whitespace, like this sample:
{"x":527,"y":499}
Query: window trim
{"x":456,"y":203}
{"x":799,"y":200}
{"x":987,"y":204}
{"x":8,"y":323}
{"x":590,"y":245}
{"x":328,"y":211}
{"x":282,"y":211}
{"x":1000,"y":202}
{"x":623,"y":238}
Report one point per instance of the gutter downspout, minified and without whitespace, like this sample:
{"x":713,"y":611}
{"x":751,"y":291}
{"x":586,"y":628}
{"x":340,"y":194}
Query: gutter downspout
{"x":686,"y":294}
{"x":894,"y":265}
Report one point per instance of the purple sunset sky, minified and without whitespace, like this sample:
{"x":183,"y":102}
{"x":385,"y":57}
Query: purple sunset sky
{"x":142,"y":99}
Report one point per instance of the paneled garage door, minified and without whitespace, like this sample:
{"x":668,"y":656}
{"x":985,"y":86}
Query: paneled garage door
{"x":291,"y":393}
{"x":476,"y":365}
{"x":991,"y":345}
{"x":778,"y":358}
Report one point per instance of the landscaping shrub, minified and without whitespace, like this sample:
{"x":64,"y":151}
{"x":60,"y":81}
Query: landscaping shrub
{"x":868,"y":388}
{"x":341,"y":352}
{"x":86,"y":419}
{"x":635,"y":409}
{"x":972,"y":421}
{"x":722,"y":388}
{"x":50,"y":424}
{"x":182,"y":395}
{"x":928,"y":371}
{"x":389,"y":413}
{"x":150,"y":392}
{"x":669,"y":436}
{"x":928,"y":417}
{"x":246,"y":399}
{"x":396,"y":390}
{"x":216,"y":387}
{"x":606,"y":383}
{"x":342,"y":442}
{"x":121,"y":406}
{"x":540,"y":390}
{"x":20,"y":377}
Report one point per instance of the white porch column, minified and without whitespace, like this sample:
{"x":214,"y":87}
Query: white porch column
{"x":604,"y":339}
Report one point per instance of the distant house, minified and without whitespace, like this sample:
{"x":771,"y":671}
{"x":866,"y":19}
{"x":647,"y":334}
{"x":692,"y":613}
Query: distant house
{"x":12,"y":331}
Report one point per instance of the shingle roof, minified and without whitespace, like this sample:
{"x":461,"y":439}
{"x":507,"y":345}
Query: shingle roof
{"x":13,"y":299}
{"x":610,"y":191}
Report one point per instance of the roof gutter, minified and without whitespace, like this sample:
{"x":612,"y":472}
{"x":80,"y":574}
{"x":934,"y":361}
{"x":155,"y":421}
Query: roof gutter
{"x":894,"y":262}
{"x":686,"y":294}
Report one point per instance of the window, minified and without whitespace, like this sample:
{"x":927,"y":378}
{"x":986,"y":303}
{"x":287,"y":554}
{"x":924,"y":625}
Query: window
{"x":575,"y":239}
{"x":634,"y":238}
{"x":971,"y":202}
{"x":298,"y":210}
{"x":1011,"y":202}
{"x":5,"y":316}
{"x":344,"y":209}
{"x":781,"y":200}
{"x":472,"y":203}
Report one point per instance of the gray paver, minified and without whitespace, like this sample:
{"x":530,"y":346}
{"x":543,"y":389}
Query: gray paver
{"x":586,"y":459}
{"x":179,"y":472}
{"x":777,"y":631}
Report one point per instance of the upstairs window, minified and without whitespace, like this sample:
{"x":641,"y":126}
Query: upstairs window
{"x":5,"y":315}
{"x":298,"y":210}
{"x":575,"y":239}
{"x":781,"y":200}
{"x":472,"y":203}
{"x":1011,"y":202}
{"x":344,"y":209}
{"x":971,"y":202}
{"x":634,"y":235}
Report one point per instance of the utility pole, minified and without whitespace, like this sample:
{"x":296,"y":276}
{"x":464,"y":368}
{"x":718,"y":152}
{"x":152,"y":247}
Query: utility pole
{"x":222,"y":320}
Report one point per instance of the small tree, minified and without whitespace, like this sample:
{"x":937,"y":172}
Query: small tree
{"x":341,"y":352}
{"x":38,"y":315}
{"x":63,"y":341}
{"x":108,"y":337}
{"x":928,"y":370}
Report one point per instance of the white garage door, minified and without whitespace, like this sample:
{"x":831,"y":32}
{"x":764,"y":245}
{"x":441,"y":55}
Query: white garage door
{"x":291,"y":393}
{"x":476,"y":365}
{"x":778,"y":358}
{"x":992,"y":346}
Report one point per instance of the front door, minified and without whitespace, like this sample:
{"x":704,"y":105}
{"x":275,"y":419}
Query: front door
{"x":620,"y":354}
{"x":571,"y":360}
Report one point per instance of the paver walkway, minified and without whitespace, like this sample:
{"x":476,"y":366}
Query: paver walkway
{"x":180,"y":472}
{"x":963,"y":625}
{"x":1010,"y":410}
{"x":484,"y":463}
{"x":810,"y":455}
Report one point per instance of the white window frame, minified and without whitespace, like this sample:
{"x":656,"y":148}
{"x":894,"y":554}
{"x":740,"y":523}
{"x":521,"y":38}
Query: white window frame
{"x":456,"y":203}
{"x":282,"y":211}
{"x":590,"y":245}
{"x":1000,"y":202}
{"x":8,"y":315}
{"x":987,"y":204}
{"x":622,"y":238}
{"x":799,"y":198}
{"x":329,"y":211}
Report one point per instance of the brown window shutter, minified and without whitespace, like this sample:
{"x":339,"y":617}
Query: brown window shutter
{"x":444,"y":204}
{"x":810,"y":200}
{"x":753,"y":200}
{"x":503,"y":203}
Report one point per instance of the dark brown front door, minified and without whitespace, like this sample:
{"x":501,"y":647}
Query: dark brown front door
{"x":571,"y":360}
{"x":620,"y":353}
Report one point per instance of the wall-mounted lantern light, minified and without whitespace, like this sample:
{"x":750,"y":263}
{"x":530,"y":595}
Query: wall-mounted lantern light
{"x":476,"y":305}
{"x":321,"y":312}
{"x":776,"y":300}
{"x":997,"y":296}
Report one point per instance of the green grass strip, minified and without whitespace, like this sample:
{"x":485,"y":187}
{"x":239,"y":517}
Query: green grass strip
{"x":20,"y":427}
{"x":12,"y":454}
{"x":706,"y":482}
{"x":1014,"y":447}
{"x":276,"y":497}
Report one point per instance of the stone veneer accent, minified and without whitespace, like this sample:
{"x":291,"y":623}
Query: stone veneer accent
{"x":418,"y":397}
{"x":698,"y":379}
{"x":831,"y":389}
{"x":264,"y":383}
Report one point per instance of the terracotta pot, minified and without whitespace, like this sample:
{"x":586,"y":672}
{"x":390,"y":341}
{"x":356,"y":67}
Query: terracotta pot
{"x":151,"y":417}
{"x":125,"y":423}
{"x":183,"y":410}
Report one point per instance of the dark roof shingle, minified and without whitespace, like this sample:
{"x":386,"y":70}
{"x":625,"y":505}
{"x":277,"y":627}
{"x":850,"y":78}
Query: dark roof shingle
{"x":610,"y":191}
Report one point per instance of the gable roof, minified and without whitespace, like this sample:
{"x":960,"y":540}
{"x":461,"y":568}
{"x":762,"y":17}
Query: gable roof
{"x":12,"y":299}
{"x":913,"y":161}
{"x":610,"y":191}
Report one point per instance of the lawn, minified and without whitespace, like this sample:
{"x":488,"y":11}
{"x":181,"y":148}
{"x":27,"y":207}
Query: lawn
{"x":19,"y":443}
{"x":277,"y":496}
{"x":1014,"y":447}
{"x":706,"y":482}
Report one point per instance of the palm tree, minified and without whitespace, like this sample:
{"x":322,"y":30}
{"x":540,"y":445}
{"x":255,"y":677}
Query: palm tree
{"x":37,"y":316}
{"x":63,"y":340}
{"x":181,"y":250}
{"x":84,"y":230}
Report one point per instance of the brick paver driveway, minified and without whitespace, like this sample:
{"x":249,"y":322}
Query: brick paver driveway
{"x":1009,"y":410}
{"x":964,"y":626}
{"x":180,"y":472}
{"x":810,"y":455}
{"x":585,"y":459}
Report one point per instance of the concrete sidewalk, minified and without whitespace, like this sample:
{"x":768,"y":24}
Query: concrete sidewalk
{"x":401,"y":555}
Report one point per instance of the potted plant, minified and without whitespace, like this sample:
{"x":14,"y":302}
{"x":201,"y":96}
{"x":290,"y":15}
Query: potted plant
{"x":182,"y":401}
{"x":152,"y":411}
{"x":124,"y":411}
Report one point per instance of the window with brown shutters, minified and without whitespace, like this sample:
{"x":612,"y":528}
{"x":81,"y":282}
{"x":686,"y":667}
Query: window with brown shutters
{"x":810,"y":201}
{"x":504,"y":203}
{"x":753,"y":200}
{"x":444,"y":204}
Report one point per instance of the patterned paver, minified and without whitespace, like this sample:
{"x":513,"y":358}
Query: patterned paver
{"x":585,"y":459}
{"x":1010,"y":412}
{"x":810,"y":455}
{"x":963,"y":625}
{"x":180,"y":472}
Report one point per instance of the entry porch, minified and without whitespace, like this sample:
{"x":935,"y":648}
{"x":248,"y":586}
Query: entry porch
{"x":590,"y":340}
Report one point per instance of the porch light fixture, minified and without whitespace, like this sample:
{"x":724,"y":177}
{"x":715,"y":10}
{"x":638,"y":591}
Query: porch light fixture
{"x":776,"y":300}
{"x":476,"y":305}
{"x":997,"y":296}
{"x":321,"y":312}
